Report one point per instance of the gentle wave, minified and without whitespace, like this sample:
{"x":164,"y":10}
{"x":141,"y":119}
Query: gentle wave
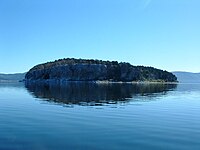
{"x":160,"y":119}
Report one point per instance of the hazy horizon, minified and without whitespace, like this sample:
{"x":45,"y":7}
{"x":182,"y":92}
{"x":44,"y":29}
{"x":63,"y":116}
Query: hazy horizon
{"x":162,"y":34}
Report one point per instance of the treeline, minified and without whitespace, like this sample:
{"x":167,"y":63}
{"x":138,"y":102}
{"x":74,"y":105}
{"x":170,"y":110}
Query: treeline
{"x":73,"y":61}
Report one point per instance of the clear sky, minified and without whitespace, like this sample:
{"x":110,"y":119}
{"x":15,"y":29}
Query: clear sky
{"x":161,"y":33}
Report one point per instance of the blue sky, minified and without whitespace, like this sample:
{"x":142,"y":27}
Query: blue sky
{"x":161,"y":33}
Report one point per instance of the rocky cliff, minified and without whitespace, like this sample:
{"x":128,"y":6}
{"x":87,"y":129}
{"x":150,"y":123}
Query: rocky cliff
{"x":96,"y":70}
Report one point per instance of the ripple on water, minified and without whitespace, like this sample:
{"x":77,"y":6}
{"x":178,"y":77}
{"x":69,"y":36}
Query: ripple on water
{"x":152,"y":120}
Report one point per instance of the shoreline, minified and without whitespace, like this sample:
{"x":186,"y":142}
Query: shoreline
{"x":97,"y":82}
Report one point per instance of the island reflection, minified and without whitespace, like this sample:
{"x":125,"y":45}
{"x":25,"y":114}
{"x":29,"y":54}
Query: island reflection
{"x":95,"y":94}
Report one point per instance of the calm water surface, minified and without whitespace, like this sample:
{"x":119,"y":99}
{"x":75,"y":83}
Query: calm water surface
{"x":82,"y":116}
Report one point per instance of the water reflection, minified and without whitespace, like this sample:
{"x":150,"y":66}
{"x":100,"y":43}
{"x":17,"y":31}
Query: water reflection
{"x":11,"y":85}
{"x":95,"y":94}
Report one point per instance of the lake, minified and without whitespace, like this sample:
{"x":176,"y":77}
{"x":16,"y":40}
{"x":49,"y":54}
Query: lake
{"x":81,"y":116}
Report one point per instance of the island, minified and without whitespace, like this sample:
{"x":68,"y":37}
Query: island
{"x":71,"y":69}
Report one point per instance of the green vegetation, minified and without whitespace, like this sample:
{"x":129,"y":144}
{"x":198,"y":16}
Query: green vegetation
{"x":92,"y":70}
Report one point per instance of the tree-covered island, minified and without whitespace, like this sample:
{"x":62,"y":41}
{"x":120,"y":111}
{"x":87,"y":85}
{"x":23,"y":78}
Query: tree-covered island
{"x":70,"y":69}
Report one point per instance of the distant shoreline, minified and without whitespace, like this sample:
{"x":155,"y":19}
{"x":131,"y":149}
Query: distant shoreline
{"x":9,"y":81}
{"x":95,"y":82}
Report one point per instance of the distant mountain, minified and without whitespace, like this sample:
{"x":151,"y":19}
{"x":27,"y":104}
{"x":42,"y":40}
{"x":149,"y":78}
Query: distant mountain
{"x":12,"y":77}
{"x":187,"y":77}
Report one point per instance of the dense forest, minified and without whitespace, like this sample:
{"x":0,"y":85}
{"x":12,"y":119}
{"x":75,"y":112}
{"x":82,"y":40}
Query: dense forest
{"x":71,"y":69}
